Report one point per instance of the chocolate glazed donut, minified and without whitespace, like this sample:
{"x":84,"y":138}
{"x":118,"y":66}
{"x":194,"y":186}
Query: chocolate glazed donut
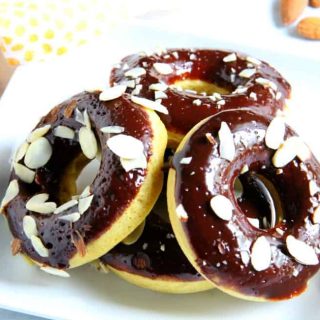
{"x":244,"y":82}
{"x":261,"y":244}
{"x":59,"y":233}
{"x":155,"y":260}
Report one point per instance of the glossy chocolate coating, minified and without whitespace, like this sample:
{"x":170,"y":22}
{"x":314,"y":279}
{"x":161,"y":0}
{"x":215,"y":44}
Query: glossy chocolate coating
{"x":208,"y":65}
{"x":156,"y":254}
{"x":113,"y":188}
{"x":217,"y":243}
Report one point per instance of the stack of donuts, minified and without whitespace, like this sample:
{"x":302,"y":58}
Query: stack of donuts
{"x":201,"y":183}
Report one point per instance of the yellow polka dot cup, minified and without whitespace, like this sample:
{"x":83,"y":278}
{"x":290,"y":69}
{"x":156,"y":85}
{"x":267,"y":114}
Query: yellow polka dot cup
{"x":34,"y":30}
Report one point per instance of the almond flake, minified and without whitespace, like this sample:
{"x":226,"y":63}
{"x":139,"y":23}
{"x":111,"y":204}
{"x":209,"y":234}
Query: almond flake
{"x":86,"y":119}
{"x":11,"y":193}
{"x":226,"y":148}
{"x":261,"y":254}
{"x":137,"y":163}
{"x":192,"y":56}
{"x":316,"y":215}
{"x":29,"y":226}
{"x":278,"y":95}
{"x":21,"y":152}
{"x":71,"y":217}
{"x":64,"y":132}
{"x":130,"y":84}
{"x":240,"y":90}
{"x":197,"y":102}
{"x":245,"y":257}
{"x":275,"y":133}
{"x":266,"y":83}
{"x":84,"y":204}
{"x":65,"y":206}
{"x":210,"y":138}
{"x":135,"y":72}
{"x":313,"y":187}
{"x":43,"y":208}
{"x":125,"y":146}
{"x":85,"y":193}
{"x":186,"y":160}
{"x":222,"y":207}
{"x":38,"y":133}
{"x":244,"y":169}
{"x":112,"y":93}
{"x":38,"y":153}
{"x":303,"y":151}
{"x":158,"y":87}
{"x":79,"y":116}
{"x":285,"y":153}
{"x":247,"y":73}
{"x":253,"y":96}
{"x":38,"y":198}
{"x":112,"y":129}
{"x":253,"y":61}
{"x":181,"y":213}
{"x":24,"y":173}
{"x":230,"y":57}
{"x":302,"y":252}
{"x":55,"y":272}
{"x":254,"y":222}
{"x":137,"y":90}
{"x":175,"y":54}
{"x":39,"y":247}
{"x":160,"y":95}
{"x":88,"y":142}
{"x":163,"y":68}
{"x":221,"y":102}
{"x":149,"y":104}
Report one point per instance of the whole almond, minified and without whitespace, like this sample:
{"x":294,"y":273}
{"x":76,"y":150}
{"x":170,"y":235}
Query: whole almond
{"x":309,"y":28}
{"x":290,"y":10}
{"x":315,"y":3}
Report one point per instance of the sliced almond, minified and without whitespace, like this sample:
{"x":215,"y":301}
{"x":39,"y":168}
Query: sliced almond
{"x":160,"y":95}
{"x":86,"y":192}
{"x":163,"y":68}
{"x":37,"y":204}
{"x":226,"y":148}
{"x":112,"y":93}
{"x":149,"y":104}
{"x":158,"y":87}
{"x":86,"y":119}
{"x":275,"y":133}
{"x":38,"y":153}
{"x":125,"y":146}
{"x":21,"y":152}
{"x":24,"y":173}
{"x":38,"y":133}
{"x":137,"y":163}
{"x":254,"y":222}
{"x":181,"y":213}
{"x":247,"y":73}
{"x":222,"y":207}
{"x":11,"y":193}
{"x":303,"y":151}
{"x":112,"y":129}
{"x":230,"y":57}
{"x":135,"y":72}
{"x":302,"y":252}
{"x":261,"y":254}
{"x":39,"y":247}
{"x":186,"y":160}
{"x":266,"y":83}
{"x":254,"y":61}
{"x":64,"y":132}
{"x":88,"y":142}
{"x":313,"y":187}
{"x":38,"y":198}
{"x":316,"y":215}
{"x":55,"y":272}
{"x":285,"y":153}
{"x":66,"y":206}
{"x":84,"y":204}
{"x":71,"y":217}
{"x":29,"y":226}
{"x":79,"y":116}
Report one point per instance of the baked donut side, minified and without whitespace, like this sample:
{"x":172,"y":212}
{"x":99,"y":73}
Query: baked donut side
{"x":195,"y":84}
{"x":58,"y":231}
{"x":227,"y":237}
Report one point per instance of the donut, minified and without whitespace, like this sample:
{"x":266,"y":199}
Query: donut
{"x":259,"y":243}
{"x":152,"y":258}
{"x":194,"y":84}
{"x":52,"y":224}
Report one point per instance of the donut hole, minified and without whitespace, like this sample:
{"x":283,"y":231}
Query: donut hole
{"x":200,"y":86}
{"x":258,"y":199}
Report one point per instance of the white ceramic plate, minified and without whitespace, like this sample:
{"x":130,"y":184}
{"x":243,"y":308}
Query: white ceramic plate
{"x":87,"y":294}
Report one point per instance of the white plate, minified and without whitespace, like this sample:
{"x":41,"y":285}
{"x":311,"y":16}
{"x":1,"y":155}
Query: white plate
{"x":87,"y":294}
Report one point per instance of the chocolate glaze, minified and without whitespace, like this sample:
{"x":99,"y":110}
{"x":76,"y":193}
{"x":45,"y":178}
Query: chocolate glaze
{"x":113,"y":188}
{"x":208,"y":65}
{"x":145,"y":257}
{"x":217,"y":243}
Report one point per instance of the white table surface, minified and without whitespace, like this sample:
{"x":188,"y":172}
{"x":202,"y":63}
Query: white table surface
{"x":249,"y":22}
